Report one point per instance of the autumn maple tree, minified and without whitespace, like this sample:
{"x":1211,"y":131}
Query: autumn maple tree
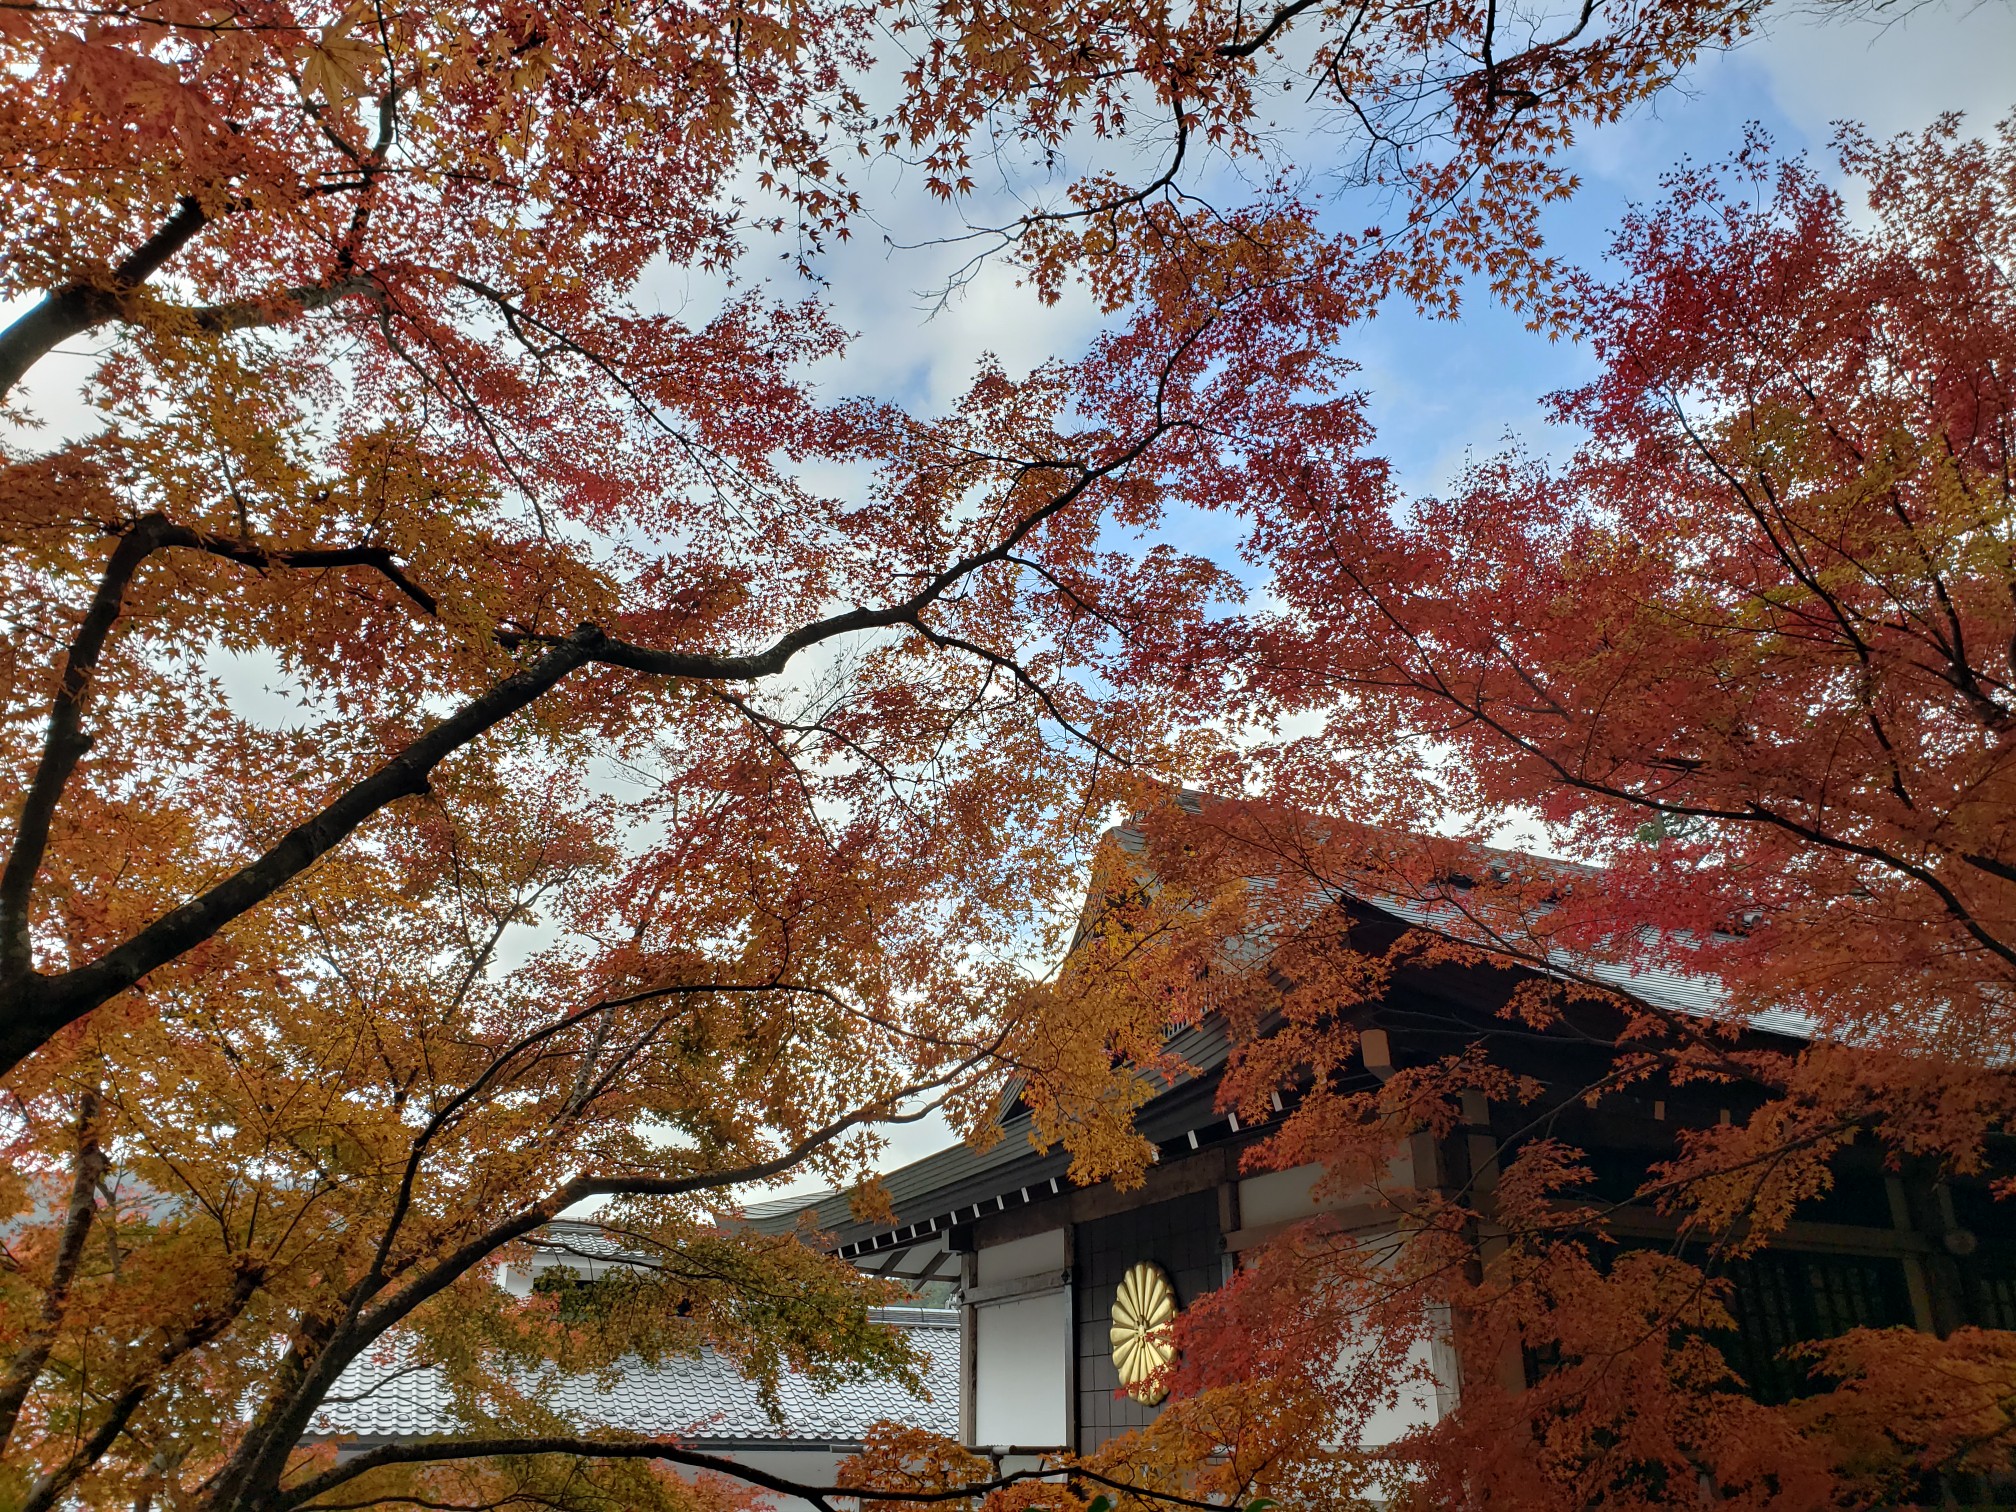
{"x":1744,"y":662}
{"x":680,"y":763}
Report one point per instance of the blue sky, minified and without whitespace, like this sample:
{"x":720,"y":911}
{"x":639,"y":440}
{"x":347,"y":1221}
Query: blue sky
{"x":1437,"y":389}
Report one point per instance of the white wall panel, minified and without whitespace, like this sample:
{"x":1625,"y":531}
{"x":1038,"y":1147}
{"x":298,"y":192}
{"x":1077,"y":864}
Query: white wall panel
{"x":1288,"y":1196}
{"x":1432,"y":1366}
{"x":1419,"y":1406}
{"x":1279,"y":1197}
{"x":1019,"y":1371}
{"x":810,"y":1466}
{"x":1022,"y":1257}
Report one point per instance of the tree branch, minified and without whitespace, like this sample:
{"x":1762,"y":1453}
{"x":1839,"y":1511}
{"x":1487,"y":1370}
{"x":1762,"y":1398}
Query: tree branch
{"x":47,"y":1490}
{"x":63,"y":745}
{"x":459,"y":1261}
{"x":675,"y":1452}
{"x":50,"y":1488}
{"x":262,"y":1456}
{"x":249,"y":553}
{"x":28,"y":1361}
{"x":599,"y":1011}
{"x":42,"y":1006}
{"x":56,"y":317}
{"x":66,"y":742}
{"x":243,"y":314}
{"x":1276,"y":24}
{"x":47,"y":1004}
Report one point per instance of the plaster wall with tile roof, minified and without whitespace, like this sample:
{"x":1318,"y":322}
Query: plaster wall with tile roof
{"x":702,"y":1398}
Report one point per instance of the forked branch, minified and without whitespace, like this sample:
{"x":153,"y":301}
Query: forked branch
{"x":38,"y":1006}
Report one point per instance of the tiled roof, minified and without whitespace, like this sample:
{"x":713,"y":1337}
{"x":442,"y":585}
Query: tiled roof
{"x":960,"y":1184}
{"x":1657,"y":973}
{"x":779,"y":1207}
{"x":701,"y":1398}
{"x":559,"y":1242}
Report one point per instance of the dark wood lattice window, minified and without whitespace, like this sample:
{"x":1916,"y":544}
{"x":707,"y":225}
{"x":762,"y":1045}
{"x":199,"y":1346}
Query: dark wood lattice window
{"x":1781,"y":1298}
{"x":1993,"y":1296}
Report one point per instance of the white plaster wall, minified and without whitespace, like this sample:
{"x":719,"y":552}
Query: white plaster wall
{"x":1278,"y":1196}
{"x":1417,"y":1407}
{"x":1432,"y":1365}
{"x":1287,"y":1196}
{"x":809,"y":1467}
{"x":1019,"y":1371}
{"x":517,"y":1278}
{"x":1021,"y":1257}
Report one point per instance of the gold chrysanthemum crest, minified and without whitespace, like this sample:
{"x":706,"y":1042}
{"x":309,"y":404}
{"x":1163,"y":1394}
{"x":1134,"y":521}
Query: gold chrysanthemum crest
{"x":1140,"y":1334}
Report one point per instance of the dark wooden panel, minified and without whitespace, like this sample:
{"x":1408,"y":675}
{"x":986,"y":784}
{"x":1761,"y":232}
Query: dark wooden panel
{"x":1181,"y":1236}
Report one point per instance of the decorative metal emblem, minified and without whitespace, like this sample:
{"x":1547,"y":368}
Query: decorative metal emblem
{"x":1140,"y":1332}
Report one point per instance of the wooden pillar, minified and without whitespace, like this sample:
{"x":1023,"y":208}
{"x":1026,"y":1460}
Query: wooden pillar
{"x":969,"y":1346}
{"x":1071,"y":1338}
{"x":1916,"y":1279}
{"x":1229,"y":1220}
{"x":1928,"y":1209}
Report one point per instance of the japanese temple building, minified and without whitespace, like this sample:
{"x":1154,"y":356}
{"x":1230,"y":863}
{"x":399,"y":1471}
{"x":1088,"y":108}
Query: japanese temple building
{"x":1037,"y":1264}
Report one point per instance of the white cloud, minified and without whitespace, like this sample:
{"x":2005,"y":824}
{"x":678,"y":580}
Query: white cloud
{"x":1893,"y":70}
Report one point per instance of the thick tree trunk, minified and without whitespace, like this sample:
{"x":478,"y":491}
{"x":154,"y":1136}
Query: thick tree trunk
{"x":26,"y":1366}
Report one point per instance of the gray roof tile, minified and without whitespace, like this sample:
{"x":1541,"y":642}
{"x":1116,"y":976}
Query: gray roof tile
{"x":701,"y":1398}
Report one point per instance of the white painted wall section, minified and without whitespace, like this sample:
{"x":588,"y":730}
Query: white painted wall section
{"x":1278,"y":1196}
{"x":1019,"y":1371}
{"x":518,"y":1277}
{"x":1420,"y":1403}
{"x":811,"y":1466}
{"x":1021,"y":1257}
{"x":1430,"y":1388}
{"x":1289,"y":1196}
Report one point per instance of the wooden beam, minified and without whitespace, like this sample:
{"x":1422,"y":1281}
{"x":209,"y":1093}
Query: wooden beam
{"x":1042,"y":1282}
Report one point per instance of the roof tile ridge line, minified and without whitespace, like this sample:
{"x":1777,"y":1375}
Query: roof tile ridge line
{"x":771,"y":1207}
